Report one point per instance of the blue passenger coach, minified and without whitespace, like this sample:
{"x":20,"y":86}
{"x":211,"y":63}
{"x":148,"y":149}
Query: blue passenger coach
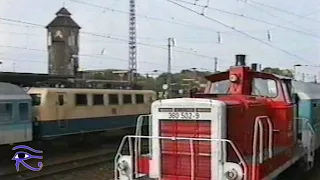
{"x":15,"y":115}
{"x":309,"y":104}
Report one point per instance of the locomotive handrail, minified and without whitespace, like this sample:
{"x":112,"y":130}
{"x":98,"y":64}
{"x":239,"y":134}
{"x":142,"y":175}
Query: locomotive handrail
{"x":307,"y":121}
{"x":309,"y":148}
{"x":258,"y":126}
{"x":137,"y":149}
{"x":129,"y":137}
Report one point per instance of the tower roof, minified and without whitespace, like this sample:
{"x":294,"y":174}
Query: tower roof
{"x":63,"y":12}
{"x":63,"y":19}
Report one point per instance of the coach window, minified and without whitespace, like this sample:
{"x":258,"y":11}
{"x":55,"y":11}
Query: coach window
{"x":98,"y":99}
{"x":139,"y":99}
{"x":5,"y":112}
{"x":113,"y":99}
{"x":24,"y":111}
{"x":60,"y":99}
{"x":127,"y":99}
{"x":81,"y":100}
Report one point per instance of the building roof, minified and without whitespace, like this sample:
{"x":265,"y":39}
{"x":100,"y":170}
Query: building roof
{"x":306,"y":90}
{"x":63,"y":19}
{"x":27,"y":79}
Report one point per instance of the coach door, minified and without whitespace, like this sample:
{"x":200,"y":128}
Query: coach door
{"x":61,"y":110}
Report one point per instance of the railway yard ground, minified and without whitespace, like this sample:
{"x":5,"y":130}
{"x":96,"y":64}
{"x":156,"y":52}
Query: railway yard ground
{"x":102,"y":172}
{"x":94,"y":160}
{"x":81,"y":160}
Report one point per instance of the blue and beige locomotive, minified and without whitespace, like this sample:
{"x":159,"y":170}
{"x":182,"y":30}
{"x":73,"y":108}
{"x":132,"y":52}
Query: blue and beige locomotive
{"x":39,"y":113}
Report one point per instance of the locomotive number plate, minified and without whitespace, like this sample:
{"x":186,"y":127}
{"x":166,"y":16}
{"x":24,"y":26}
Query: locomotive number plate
{"x":183,"y":115}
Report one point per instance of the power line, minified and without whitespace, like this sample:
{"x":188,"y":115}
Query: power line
{"x":252,"y":37}
{"x":23,"y":22}
{"x":119,"y":59}
{"x":140,"y":15}
{"x":251,"y":18}
{"x":290,"y":22}
{"x":109,"y":37}
{"x":88,"y":55}
{"x":281,"y":10}
{"x":150,"y":17}
{"x":275,"y":16}
{"x":195,"y":54}
{"x":150,"y":45}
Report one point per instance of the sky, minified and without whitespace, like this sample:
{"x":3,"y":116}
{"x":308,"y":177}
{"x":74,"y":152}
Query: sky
{"x":293,"y":26}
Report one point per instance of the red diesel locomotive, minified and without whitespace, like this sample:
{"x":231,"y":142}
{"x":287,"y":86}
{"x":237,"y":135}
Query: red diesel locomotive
{"x":243,"y":127}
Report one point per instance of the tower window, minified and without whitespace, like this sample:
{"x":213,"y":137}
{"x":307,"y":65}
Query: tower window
{"x":49,"y":39}
{"x":71,"y":40}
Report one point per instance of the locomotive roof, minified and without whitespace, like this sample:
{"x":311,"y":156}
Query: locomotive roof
{"x":37,"y":89}
{"x":282,"y":77}
{"x":306,"y":90}
{"x":12,"y":92}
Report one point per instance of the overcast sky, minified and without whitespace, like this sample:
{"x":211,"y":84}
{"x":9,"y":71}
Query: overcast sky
{"x":156,"y":21}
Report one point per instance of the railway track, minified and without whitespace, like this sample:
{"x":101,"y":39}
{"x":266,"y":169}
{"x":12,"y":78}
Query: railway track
{"x":64,"y":164}
{"x":62,"y":167}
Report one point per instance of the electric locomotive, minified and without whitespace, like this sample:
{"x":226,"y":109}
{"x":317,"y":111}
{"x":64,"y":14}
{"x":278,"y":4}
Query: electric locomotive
{"x":46,"y":113}
{"x":243,"y":127}
{"x":66,"y":111}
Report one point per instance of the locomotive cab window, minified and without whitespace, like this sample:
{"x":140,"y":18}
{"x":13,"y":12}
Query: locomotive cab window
{"x":81,"y":99}
{"x":219,"y":87}
{"x":36,"y":99}
{"x":113,"y":99}
{"x":139,"y":98}
{"x":127,"y":99}
{"x":98,"y":99}
{"x":264,"y":87}
{"x":5,"y":112}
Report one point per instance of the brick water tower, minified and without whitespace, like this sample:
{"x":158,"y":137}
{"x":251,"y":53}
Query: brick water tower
{"x":63,"y":44}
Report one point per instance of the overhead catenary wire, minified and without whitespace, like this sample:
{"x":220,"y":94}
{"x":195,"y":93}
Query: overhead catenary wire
{"x":140,"y":15}
{"x":275,"y":16}
{"x":241,"y":32}
{"x":99,"y":66}
{"x":153,"y":18}
{"x":150,"y":45}
{"x":181,"y":39}
{"x":281,"y":10}
{"x":144,"y":43}
{"x":110,"y":37}
{"x":88,"y":55}
{"x":250,"y":18}
{"x":289,"y":22}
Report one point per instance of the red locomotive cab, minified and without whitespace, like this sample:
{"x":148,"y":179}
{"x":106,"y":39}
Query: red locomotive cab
{"x":187,"y":141}
{"x":240,"y":128}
